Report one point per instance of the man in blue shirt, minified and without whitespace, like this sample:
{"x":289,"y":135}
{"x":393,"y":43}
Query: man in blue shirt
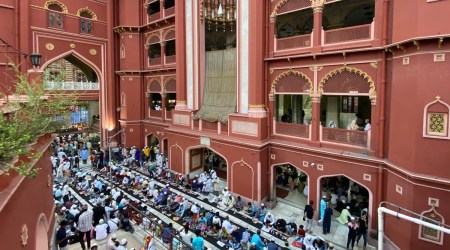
{"x":256,"y":239}
{"x":198,"y":242}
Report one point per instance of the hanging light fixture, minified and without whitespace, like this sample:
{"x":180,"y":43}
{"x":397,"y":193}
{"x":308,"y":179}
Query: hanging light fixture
{"x":220,"y":13}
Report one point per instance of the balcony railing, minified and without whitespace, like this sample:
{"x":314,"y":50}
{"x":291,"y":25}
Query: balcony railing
{"x":170,"y":59}
{"x":169,"y":12}
{"x":154,"y":61}
{"x":348,"y":34}
{"x":72,"y":86}
{"x":292,"y":129}
{"x":168,"y":115}
{"x":292,"y":42}
{"x":344,"y":136}
{"x":155,"y":113}
{"x":154,"y":17}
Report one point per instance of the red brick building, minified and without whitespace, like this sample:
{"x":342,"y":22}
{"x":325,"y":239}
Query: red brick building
{"x":268,"y":83}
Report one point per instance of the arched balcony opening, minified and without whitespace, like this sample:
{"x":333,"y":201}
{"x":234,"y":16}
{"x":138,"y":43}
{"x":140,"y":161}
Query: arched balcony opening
{"x":348,"y":21}
{"x":171,"y":97}
{"x":154,"y":54}
{"x":346,"y":107}
{"x":55,"y":15}
{"x":154,"y":99}
{"x":86,"y":17}
{"x":293,"y":105}
{"x":294,"y":24}
{"x":154,"y":10}
{"x":170,"y":52}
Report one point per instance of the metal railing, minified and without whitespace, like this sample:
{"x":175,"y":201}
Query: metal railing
{"x":298,"y":41}
{"x":292,"y":129}
{"x":150,"y":225}
{"x":345,"y":136}
{"x":347,"y":34}
{"x":72,"y":86}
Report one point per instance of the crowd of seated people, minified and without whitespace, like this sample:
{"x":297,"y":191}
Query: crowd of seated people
{"x":148,"y":183}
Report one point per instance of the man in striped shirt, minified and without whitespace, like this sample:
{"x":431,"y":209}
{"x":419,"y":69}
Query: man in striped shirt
{"x":84,"y":223}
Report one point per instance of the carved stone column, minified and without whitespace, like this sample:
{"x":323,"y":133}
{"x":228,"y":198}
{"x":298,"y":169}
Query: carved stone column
{"x":180,"y":36}
{"x":163,"y":52}
{"x":317,"y":6}
{"x":163,"y":106}
{"x":315,"y":130}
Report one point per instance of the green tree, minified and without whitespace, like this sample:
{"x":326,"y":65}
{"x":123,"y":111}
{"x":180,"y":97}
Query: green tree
{"x":29,"y":112}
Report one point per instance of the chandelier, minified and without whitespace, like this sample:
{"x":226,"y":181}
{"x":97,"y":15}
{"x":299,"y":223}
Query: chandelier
{"x":218,"y":13}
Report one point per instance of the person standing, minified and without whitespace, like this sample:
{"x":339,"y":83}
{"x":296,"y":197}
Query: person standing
{"x":362,"y":231}
{"x":323,"y":206}
{"x":84,"y":223}
{"x":327,"y":219}
{"x":84,"y":155}
{"x":186,"y":235}
{"x":352,"y":231}
{"x":198,"y":243}
{"x":61,"y":236}
{"x":308,"y":216}
{"x":99,"y":213}
{"x":167,"y":234}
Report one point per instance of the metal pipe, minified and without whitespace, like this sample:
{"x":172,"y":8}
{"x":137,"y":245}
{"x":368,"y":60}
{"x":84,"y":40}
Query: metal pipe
{"x":110,"y":156}
{"x":382,"y":210}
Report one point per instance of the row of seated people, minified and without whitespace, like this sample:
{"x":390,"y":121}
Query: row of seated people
{"x":183,"y":210}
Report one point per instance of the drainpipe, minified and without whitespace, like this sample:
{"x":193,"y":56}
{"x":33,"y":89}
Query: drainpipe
{"x":382,"y":210}
{"x":17,"y":33}
{"x":383,"y":81}
{"x":266,"y":73}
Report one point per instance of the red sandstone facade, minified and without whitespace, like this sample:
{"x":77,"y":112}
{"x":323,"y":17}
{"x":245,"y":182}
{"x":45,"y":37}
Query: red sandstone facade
{"x":396,"y":63}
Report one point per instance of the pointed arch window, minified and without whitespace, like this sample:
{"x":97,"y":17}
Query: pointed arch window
{"x":430,"y":234}
{"x":55,"y":15}
{"x":122,"y":100}
{"x":86,"y":17}
{"x":122,"y":51}
{"x":436,"y":120}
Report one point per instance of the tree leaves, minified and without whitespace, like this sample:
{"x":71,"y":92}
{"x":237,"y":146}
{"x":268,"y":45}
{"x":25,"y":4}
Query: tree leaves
{"x":31,"y":112}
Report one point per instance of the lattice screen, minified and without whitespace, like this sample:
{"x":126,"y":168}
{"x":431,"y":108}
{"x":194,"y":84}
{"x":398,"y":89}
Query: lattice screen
{"x":155,"y":86}
{"x":437,"y":123}
{"x":346,"y":82}
{"x":171,"y":85}
{"x":292,"y":84}
{"x":360,"y":32}
{"x":292,"y":5}
{"x":170,"y":35}
{"x":153,"y":40}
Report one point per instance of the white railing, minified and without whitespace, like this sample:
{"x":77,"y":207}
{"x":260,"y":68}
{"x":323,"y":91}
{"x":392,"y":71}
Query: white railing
{"x":72,"y":86}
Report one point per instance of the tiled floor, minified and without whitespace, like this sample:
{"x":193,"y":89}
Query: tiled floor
{"x":292,"y":208}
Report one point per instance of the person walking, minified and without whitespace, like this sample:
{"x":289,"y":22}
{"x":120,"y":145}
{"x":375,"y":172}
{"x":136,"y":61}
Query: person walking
{"x":352,"y":231}
{"x":308,"y":216}
{"x":327,"y":219}
{"x":362,"y":231}
{"x":198,"y":243}
{"x":84,"y":223}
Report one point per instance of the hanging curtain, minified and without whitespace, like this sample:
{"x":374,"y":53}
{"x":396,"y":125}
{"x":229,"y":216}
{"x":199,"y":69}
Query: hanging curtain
{"x":219,"y":96}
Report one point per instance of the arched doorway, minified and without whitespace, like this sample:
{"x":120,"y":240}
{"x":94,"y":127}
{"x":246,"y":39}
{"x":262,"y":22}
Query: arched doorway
{"x":290,"y":185}
{"x":41,"y":233}
{"x":70,"y":73}
{"x":344,"y":193}
{"x":152,"y":141}
{"x":200,"y":159}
